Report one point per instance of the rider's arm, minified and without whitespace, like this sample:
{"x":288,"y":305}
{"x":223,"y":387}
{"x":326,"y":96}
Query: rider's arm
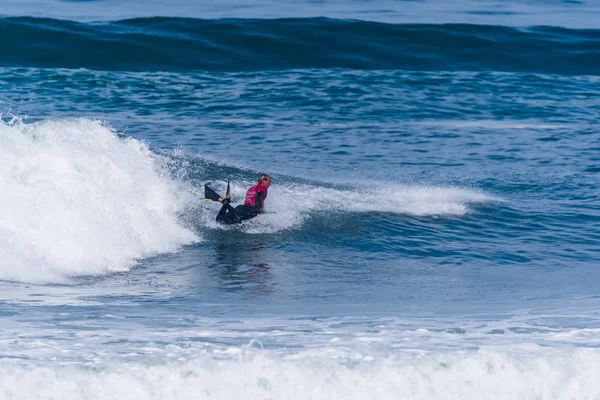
{"x":260,"y":201}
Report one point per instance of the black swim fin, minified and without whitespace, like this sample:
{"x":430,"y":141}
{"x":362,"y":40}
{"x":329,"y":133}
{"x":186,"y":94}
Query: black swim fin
{"x":210,"y":194}
{"x":228,"y":194}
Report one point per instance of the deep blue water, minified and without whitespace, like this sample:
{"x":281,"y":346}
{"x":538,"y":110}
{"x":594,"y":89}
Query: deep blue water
{"x":434,"y":217}
{"x":158,"y":44}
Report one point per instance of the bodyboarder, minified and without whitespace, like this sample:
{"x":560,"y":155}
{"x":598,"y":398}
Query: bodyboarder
{"x":254,"y":203}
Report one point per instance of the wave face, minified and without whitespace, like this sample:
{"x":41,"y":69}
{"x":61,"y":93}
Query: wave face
{"x":79,"y":200}
{"x":153,"y":44}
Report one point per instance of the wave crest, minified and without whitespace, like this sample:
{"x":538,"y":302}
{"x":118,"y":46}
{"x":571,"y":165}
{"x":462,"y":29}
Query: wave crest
{"x":79,"y":200}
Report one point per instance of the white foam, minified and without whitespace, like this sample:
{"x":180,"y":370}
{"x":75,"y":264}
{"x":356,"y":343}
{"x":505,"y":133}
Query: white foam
{"x":260,"y":375}
{"x":298,"y":358}
{"x":292,"y":204}
{"x":79,"y":200}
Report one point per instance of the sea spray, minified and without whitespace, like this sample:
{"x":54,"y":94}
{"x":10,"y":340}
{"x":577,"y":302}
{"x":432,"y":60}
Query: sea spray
{"x":79,"y":200}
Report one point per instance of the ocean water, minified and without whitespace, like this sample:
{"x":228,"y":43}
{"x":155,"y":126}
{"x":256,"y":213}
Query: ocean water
{"x":433,"y":221}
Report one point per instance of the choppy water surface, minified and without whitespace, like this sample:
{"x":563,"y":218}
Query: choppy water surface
{"x":433,"y":220}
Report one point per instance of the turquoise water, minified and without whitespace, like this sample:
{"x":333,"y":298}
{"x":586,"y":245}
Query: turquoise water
{"x":433,"y":220}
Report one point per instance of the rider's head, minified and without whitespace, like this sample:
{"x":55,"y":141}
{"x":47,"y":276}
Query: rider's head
{"x":264,"y":180}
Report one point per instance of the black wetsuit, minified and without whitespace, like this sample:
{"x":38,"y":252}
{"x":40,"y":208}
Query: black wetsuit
{"x":229,"y":215}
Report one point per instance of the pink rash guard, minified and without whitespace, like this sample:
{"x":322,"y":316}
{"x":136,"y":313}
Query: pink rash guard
{"x":251,"y":195}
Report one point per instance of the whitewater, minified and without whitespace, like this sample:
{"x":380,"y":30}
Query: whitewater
{"x":80,"y":201}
